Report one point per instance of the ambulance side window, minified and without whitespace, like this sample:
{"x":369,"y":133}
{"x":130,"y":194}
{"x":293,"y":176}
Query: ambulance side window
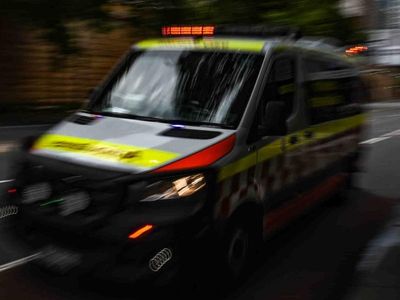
{"x":280,"y":84}
{"x":331,"y":90}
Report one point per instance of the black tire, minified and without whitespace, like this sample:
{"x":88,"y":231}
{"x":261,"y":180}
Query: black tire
{"x":241,"y":242}
{"x":342,"y":195}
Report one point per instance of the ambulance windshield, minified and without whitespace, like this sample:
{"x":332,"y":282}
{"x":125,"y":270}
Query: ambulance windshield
{"x":193,"y":87}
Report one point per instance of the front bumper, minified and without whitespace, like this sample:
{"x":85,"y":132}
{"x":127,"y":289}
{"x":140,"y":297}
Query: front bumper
{"x":128,"y":262}
{"x":94,"y":242}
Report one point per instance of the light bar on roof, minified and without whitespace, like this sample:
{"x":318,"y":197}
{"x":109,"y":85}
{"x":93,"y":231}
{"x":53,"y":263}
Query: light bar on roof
{"x":356,"y":50}
{"x":188,"y":30}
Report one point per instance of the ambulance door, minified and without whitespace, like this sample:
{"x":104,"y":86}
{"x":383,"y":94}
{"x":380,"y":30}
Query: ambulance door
{"x":277,"y":168}
{"x":332,"y":116}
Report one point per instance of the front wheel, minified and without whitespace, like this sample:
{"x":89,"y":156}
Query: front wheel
{"x":241,"y":242}
{"x":237,"y":252}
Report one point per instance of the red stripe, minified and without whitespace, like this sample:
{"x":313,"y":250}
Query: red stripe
{"x":202,"y":158}
{"x":283,"y":215}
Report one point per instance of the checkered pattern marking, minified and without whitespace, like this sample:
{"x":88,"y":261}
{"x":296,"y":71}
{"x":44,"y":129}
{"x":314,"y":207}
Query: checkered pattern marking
{"x":276,"y":173}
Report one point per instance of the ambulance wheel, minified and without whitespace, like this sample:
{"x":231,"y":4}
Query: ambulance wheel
{"x":342,"y":194}
{"x":240,"y":247}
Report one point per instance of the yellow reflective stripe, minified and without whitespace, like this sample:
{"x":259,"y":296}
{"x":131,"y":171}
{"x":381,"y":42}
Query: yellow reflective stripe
{"x":325,"y":101}
{"x":271,"y":150}
{"x":286,"y":89}
{"x":265,"y":153}
{"x":321,"y":131}
{"x":206,"y":43}
{"x":238,"y":166}
{"x":324,"y":86}
{"x":330,"y":128}
{"x":124,"y":154}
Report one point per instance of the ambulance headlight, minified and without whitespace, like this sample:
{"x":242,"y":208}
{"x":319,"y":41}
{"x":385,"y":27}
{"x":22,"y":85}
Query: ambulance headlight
{"x":172,"y":189}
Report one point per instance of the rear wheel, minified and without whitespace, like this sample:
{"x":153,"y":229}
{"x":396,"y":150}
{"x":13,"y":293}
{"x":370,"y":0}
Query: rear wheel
{"x":342,"y":195}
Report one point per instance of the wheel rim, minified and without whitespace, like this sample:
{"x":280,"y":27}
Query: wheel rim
{"x":237,"y":251}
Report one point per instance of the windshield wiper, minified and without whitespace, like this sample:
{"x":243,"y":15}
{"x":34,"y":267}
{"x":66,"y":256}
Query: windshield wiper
{"x":127,"y":116}
{"x":196,"y":123}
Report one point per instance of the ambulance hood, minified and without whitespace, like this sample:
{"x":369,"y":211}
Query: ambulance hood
{"x":124,"y":144}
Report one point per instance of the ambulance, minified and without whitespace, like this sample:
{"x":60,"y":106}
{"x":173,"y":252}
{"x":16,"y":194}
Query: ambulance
{"x":205,"y":138}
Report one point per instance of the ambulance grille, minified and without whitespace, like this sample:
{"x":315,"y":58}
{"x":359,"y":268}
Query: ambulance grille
{"x":104,"y":198}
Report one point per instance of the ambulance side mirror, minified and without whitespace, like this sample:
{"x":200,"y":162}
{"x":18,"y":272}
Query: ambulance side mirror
{"x":274,"y":121}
